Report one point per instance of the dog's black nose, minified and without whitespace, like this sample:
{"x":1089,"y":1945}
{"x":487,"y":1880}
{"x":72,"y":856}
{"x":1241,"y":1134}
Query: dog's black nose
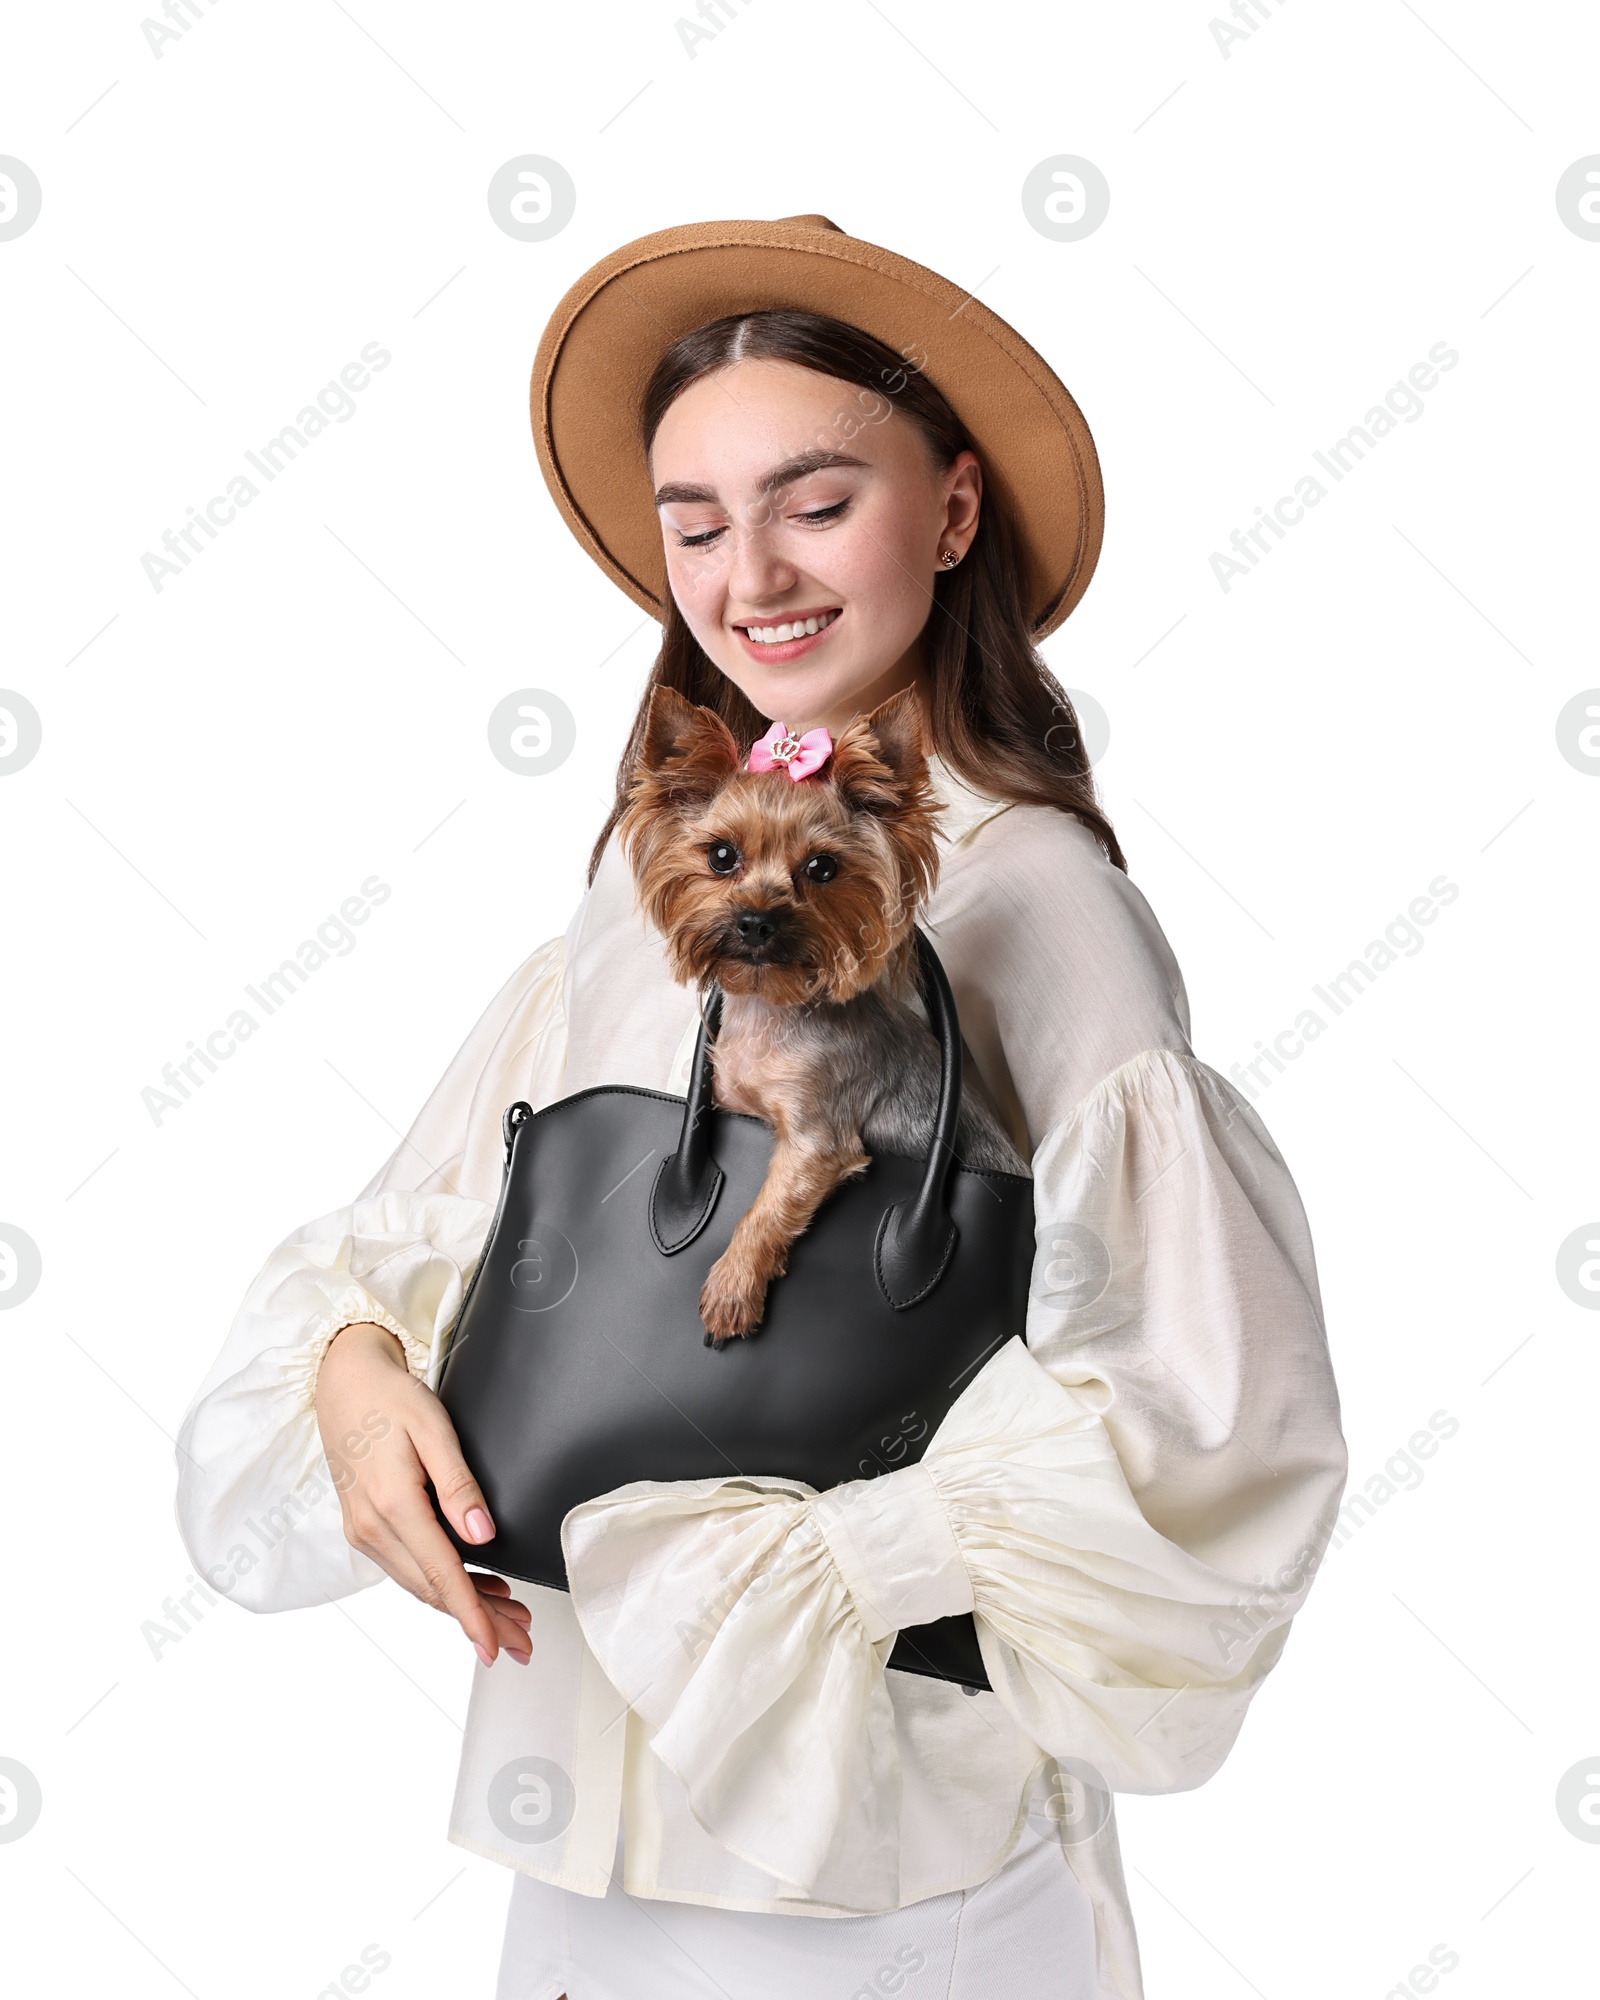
{"x":757,"y":927}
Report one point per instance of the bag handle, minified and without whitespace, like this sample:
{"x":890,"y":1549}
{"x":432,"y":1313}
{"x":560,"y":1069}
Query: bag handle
{"x":689,"y":1180}
{"x":916,"y":1238}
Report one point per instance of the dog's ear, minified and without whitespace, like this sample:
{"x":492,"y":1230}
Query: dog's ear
{"x":686,"y":755}
{"x":880,"y":763}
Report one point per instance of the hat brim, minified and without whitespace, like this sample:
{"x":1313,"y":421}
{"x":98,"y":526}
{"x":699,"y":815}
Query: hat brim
{"x":607,"y":334}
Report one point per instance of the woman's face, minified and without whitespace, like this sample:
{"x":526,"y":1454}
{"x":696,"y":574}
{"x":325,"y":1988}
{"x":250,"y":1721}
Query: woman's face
{"x":802,"y":537}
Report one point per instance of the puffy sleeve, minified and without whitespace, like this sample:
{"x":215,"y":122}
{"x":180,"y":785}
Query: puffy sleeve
{"x":1131,"y":1501}
{"x":1175,"y":1298}
{"x":257,"y":1501}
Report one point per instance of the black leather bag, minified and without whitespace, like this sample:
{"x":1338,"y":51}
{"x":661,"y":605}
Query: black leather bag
{"x":578,"y":1361}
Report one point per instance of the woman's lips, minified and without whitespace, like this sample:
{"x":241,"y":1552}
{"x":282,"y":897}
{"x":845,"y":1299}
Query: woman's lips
{"x":780,"y":651}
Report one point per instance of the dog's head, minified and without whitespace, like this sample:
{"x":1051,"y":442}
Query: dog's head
{"x":789,"y":890}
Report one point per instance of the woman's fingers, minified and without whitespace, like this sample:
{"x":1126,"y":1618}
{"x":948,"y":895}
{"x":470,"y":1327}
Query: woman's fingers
{"x":513,"y":1638}
{"x":434,"y":1438}
{"x":509,"y":1621}
{"x":512,"y":1616}
{"x":501,"y":1602}
{"x":443,"y":1577}
{"x":388,"y":1515}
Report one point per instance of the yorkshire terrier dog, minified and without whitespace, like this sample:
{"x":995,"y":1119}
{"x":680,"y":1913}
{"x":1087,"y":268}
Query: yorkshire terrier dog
{"x":791,"y":879}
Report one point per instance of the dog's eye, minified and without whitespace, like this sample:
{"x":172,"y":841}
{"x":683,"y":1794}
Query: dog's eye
{"x":821,"y":868}
{"x":723,"y":856}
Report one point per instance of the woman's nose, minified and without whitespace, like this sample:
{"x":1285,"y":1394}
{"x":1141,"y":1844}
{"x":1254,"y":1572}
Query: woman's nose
{"x":758,"y":572}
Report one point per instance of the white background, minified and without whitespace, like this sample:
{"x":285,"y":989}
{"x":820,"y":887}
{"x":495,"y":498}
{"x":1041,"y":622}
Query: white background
{"x":1291,"y":761}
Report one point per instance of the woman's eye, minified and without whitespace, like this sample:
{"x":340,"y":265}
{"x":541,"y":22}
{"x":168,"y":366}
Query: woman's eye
{"x":825,"y":513}
{"x":820,"y":868}
{"x":702,"y":540}
{"x":723,"y":856}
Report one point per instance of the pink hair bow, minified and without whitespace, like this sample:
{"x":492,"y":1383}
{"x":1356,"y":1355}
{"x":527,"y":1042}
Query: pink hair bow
{"x":781,"y":750}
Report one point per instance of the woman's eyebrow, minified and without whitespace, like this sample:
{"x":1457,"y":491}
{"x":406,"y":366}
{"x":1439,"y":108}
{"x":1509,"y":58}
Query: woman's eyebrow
{"x":801,"y":467}
{"x":792,"y":469}
{"x":665,"y":495}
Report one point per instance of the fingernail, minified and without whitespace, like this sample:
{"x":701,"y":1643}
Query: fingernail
{"x":521,"y":1659}
{"x":483,"y":1653}
{"x":479,"y":1527}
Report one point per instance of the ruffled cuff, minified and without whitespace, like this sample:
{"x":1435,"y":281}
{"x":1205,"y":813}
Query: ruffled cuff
{"x":748,"y":1621}
{"x":895,"y":1550}
{"x":716,"y":1610}
{"x":1105,"y":1640}
{"x":360,"y":1308}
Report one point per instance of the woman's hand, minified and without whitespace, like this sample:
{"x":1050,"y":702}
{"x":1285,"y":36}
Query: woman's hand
{"x":385,"y":1435}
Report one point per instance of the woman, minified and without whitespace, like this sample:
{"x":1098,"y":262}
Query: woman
{"x":833,"y":476}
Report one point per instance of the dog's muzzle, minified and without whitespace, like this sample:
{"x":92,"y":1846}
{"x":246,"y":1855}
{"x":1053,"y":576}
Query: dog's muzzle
{"x":761,"y":937}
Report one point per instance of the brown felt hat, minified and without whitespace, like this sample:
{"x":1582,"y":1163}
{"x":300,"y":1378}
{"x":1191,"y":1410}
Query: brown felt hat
{"x":612,"y":327}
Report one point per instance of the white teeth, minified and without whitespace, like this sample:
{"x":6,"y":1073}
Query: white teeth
{"x":776,"y":635}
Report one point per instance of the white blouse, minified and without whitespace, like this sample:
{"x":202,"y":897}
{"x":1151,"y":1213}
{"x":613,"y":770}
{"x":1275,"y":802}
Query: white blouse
{"x":1132,"y":1502}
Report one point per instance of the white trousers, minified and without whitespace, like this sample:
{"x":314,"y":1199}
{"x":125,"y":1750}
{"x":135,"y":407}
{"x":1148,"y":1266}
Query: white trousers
{"x":1028,"y":1930}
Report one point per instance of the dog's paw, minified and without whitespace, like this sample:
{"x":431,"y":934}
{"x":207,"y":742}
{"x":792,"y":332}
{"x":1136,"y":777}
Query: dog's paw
{"x":730,"y":1306}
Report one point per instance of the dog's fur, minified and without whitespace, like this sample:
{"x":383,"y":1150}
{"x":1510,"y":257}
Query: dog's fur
{"x":818,"y":1036}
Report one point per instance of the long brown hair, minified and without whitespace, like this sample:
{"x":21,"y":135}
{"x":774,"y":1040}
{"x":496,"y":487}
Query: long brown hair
{"x":1000,"y":719}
